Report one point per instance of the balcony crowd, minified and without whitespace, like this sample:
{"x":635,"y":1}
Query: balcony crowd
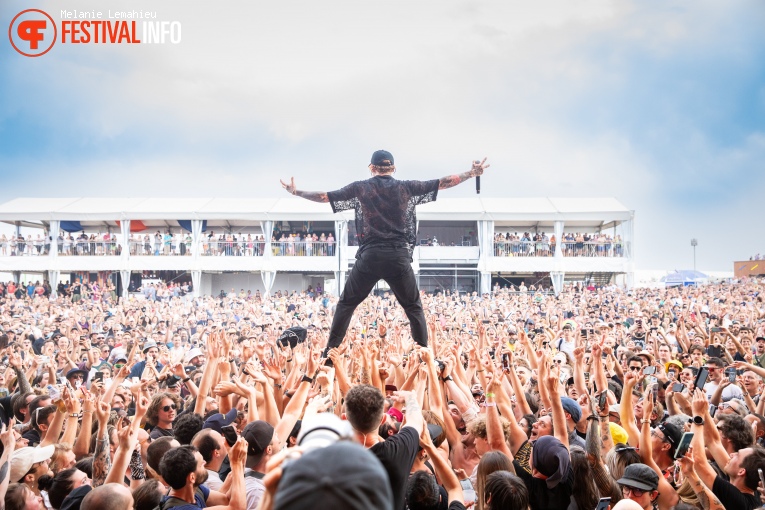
{"x":573,"y":245}
{"x":170,"y":244}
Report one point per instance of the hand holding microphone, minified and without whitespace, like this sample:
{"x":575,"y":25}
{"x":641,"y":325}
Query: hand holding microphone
{"x":477,"y":170}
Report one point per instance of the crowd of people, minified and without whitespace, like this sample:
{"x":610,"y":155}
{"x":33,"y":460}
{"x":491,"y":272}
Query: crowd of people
{"x":290,"y":244}
{"x":96,"y":291}
{"x":647,"y":398}
{"x":303,"y":244}
{"x":539,"y":244}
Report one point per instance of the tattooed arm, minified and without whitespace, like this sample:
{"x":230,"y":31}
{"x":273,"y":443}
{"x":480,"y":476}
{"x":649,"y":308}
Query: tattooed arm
{"x":706,"y":497}
{"x":9,"y":444}
{"x":14,"y":360}
{"x":313,"y":196}
{"x":452,"y":180}
{"x":101,"y":459}
{"x":594,"y":447}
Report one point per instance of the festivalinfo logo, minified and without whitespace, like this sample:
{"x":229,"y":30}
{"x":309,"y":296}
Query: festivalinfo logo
{"x":34,"y":32}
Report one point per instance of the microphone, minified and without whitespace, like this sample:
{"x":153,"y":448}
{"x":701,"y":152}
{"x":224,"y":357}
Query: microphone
{"x":477,"y":181}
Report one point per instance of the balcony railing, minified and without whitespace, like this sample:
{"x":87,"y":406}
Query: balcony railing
{"x":152,"y":247}
{"x":13,"y":248}
{"x":593,"y":249}
{"x":176,"y":247}
{"x":303,"y":249}
{"x":523,"y":249}
{"x":66,"y":248}
{"x":547,"y":249}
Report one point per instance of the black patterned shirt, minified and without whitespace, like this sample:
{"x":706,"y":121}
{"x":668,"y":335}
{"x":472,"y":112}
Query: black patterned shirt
{"x":385,"y":208}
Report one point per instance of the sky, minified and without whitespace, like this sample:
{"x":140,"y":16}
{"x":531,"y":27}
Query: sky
{"x":660,"y":104}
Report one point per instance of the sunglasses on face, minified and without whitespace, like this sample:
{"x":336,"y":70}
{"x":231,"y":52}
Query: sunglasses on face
{"x":171,"y":406}
{"x":636,"y":369}
{"x":635,"y":492}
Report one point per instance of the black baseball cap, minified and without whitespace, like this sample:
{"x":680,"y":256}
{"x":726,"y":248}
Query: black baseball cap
{"x":217,"y":421}
{"x":673,"y":435}
{"x":382,"y":158}
{"x":258,"y":435}
{"x":343,"y":475}
{"x":639,"y":476}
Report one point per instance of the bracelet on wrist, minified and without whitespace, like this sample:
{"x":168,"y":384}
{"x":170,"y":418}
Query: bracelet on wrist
{"x":307,"y":379}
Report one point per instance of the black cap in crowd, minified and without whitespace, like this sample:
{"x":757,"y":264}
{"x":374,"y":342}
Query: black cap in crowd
{"x":640,"y":477}
{"x":357,"y":481}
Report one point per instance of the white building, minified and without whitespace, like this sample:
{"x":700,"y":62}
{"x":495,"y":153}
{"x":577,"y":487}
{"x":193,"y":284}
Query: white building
{"x":466,"y":256}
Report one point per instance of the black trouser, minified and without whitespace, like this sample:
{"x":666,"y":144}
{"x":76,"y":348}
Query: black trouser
{"x":392,"y":264}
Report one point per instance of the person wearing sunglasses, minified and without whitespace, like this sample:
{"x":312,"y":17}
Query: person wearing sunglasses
{"x":161,"y":414}
{"x":640,"y":483}
{"x":635,"y":365}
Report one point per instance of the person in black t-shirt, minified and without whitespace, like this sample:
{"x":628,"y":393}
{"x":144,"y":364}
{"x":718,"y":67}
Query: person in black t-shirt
{"x":387,"y":227}
{"x":423,"y":493}
{"x":740,"y":493}
{"x":364,"y":409}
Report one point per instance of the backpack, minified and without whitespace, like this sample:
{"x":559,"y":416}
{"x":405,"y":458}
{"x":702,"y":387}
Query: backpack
{"x":168,"y":502}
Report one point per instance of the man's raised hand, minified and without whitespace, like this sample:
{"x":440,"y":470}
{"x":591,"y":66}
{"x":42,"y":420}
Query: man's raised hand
{"x":289,"y":187}
{"x":479,"y":167}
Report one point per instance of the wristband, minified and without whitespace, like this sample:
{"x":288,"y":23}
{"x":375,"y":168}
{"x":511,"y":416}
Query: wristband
{"x":74,"y":415}
{"x":645,"y":421}
{"x":186,"y":380}
{"x":482,"y":370}
{"x":490,"y":404}
{"x":307,"y":379}
{"x":490,"y":395}
{"x":447,"y":378}
{"x":136,"y":466}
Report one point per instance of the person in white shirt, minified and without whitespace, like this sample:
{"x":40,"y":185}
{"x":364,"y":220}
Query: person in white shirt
{"x":214,"y":450}
{"x":716,"y":368}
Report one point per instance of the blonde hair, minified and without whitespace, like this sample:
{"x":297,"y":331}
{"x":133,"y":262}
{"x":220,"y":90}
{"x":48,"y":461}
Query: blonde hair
{"x":58,"y":456}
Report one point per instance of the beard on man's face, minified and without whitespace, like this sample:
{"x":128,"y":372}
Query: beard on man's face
{"x":201,"y":477}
